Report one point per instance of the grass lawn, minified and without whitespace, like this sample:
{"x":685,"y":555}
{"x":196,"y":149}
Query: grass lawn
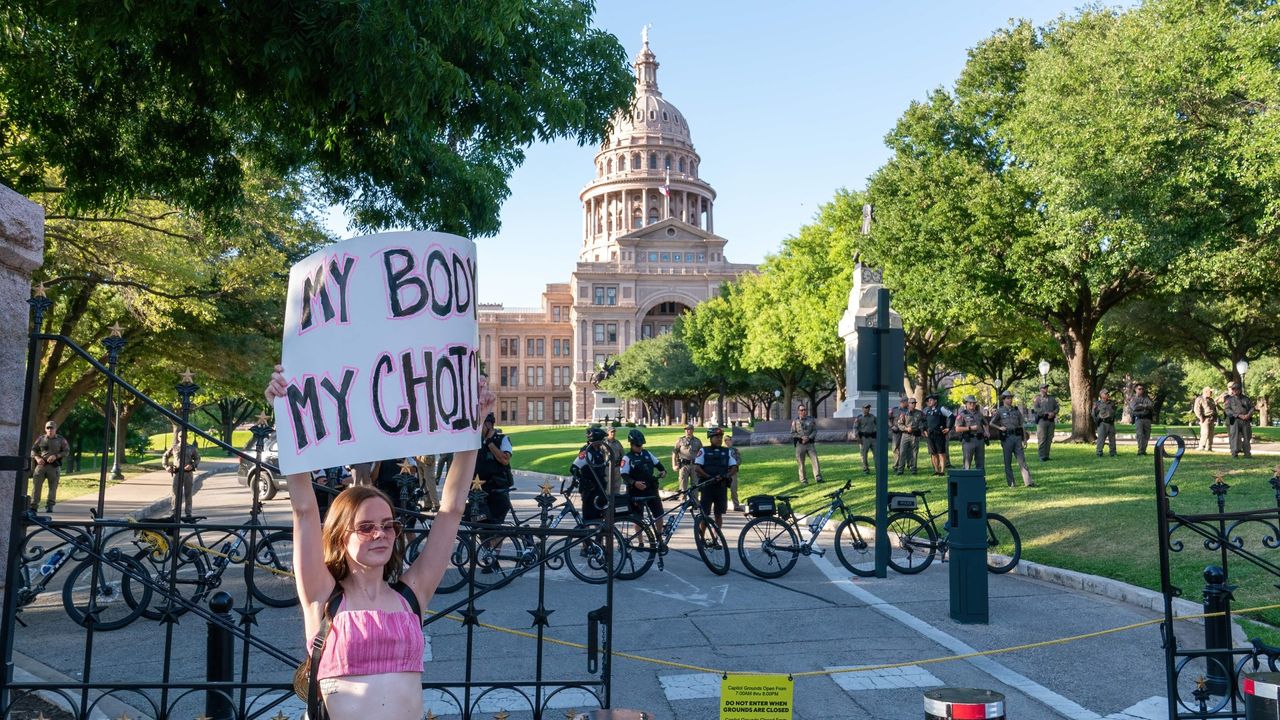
{"x":1260,"y":434}
{"x":1094,"y":515}
{"x":161,"y":442}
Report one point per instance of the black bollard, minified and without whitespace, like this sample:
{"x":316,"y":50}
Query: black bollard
{"x":963,"y":704}
{"x":219,"y":657}
{"x":1217,"y":631}
{"x":1261,"y":696}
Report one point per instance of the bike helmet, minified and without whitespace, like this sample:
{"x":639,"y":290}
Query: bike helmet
{"x":635,"y":437}
{"x":714,"y":431}
{"x":595,"y":433}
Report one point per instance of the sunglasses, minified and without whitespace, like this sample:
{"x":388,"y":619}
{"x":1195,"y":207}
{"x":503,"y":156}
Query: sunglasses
{"x":367,"y":529}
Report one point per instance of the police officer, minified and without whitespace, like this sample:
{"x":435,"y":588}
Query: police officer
{"x":910,"y":428}
{"x":682,"y":456}
{"x":615,"y":459}
{"x":1206,"y":411}
{"x":493,"y":467}
{"x":715,"y":463}
{"x":1142,"y":410}
{"x":971,"y":427}
{"x":47,"y":453}
{"x":1238,"y":408}
{"x":804,"y":433}
{"x":895,"y":434}
{"x":425,"y":466}
{"x":866,"y":429}
{"x":590,"y":470}
{"x":737,"y":459}
{"x":641,"y":470}
{"x":181,"y":462}
{"x":935,"y":432}
{"x":1008,"y":420}
{"x":1044,"y":410}
{"x":1104,"y":416}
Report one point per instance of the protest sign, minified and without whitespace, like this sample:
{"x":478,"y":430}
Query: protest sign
{"x":379,"y":352}
{"x":750,"y":697}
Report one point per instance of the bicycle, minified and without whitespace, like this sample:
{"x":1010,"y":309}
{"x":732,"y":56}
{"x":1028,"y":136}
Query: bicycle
{"x":919,"y":541}
{"x":269,"y":576}
{"x":770,"y":544}
{"x":77,"y":592}
{"x":643,"y":547}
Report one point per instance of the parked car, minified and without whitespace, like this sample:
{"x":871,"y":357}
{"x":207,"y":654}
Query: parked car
{"x":270,"y":483}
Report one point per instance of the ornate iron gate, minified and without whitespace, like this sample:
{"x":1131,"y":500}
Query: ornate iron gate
{"x":1204,"y":676}
{"x":124,"y":572}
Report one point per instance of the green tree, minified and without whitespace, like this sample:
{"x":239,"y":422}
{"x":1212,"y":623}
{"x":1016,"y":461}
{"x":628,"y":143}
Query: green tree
{"x":659,"y":370}
{"x":410,"y":113}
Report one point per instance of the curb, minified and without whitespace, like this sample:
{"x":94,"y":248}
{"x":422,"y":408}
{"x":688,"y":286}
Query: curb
{"x":164,"y":505}
{"x":1119,"y":591}
{"x":105,"y":706}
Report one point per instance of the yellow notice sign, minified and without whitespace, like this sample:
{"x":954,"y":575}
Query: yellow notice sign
{"x":749,"y":697}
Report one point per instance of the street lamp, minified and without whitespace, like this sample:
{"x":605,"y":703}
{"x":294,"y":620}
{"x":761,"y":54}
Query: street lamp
{"x":1044,"y":370}
{"x":116,"y":472}
{"x":1242,"y":367}
{"x":777,"y":398}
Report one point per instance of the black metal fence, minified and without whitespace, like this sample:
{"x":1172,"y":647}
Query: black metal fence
{"x":156,"y":581}
{"x":1204,"y":668}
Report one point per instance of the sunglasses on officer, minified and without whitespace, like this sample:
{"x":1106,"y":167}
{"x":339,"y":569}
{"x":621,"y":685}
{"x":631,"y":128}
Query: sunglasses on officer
{"x":367,"y":529}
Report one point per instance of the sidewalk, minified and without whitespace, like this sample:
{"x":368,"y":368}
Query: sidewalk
{"x":147,"y":494}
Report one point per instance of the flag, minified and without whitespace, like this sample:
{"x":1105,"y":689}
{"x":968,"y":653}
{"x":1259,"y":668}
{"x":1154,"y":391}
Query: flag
{"x":666,"y":185}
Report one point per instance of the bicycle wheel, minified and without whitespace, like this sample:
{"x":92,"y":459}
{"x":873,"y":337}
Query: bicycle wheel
{"x":499,"y":555}
{"x":455,"y":572}
{"x":711,"y":545}
{"x":588,"y":559}
{"x":856,"y":545}
{"x":913,"y":543}
{"x":641,"y":548}
{"x":113,"y":612}
{"x":269,"y":570}
{"x":768,"y":547}
{"x":190,"y":584}
{"x":1004,"y":545}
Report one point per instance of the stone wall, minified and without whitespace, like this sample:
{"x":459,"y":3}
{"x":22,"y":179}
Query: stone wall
{"x":21,"y":252}
{"x":778,"y":432}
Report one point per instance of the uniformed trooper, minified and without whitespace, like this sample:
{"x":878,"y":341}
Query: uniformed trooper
{"x":895,"y":435}
{"x":935,"y":433}
{"x":737,"y":459}
{"x":181,"y":462}
{"x":1008,"y":420}
{"x":910,"y":428}
{"x":683,"y":455}
{"x":1142,"y":410}
{"x":715,"y":463}
{"x":1044,"y":410}
{"x":591,"y":472}
{"x":615,"y":459}
{"x":804,"y":435}
{"x":866,"y":429}
{"x":47,"y":453}
{"x":1206,"y":411}
{"x":971,"y":428}
{"x":641,"y":470}
{"x":1238,"y":408}
{"x":1104,"y":416}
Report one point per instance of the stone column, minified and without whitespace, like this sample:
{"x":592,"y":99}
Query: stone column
{"x":21,"y":252}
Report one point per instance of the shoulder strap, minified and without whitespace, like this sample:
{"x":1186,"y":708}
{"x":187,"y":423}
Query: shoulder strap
{"x":317,"y":649}
{"x":409,"y":596}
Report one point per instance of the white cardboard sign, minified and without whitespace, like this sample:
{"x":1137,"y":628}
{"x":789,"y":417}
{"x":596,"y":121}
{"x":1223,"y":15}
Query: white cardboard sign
{"x":380,"y":351}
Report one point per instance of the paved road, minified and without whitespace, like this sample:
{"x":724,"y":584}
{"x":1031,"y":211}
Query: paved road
{"x":815,"y":618}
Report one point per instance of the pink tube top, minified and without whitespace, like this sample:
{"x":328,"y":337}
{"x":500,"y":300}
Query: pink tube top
{"x":371,"y":642}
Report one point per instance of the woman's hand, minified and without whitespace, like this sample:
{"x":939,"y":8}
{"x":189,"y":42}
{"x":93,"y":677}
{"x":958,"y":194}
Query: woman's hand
{"x":277,"y":387}
{"x":486,"y":399}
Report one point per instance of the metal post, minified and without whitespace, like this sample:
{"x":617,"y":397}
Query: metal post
{"x":1217,"y":630}
{"x":219,"y":657}
{"x":116,"y":472}
{"x":882,"y":438}
{"x":947,"y":703}
{"x":1261,"y":695}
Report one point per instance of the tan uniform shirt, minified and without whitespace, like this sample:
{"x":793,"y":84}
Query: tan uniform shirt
{"x":1045,"y":407}
{"x":1205,"y":409}
{"x":805,"y":430}
{"x":685,"y":451}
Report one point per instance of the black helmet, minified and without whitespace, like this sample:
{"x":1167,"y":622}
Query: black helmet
{"x":635,"y":437}
{"x":595,"y":433}
{"x":714,"y":430}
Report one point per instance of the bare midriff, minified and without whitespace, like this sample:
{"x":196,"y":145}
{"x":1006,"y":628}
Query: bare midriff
{"x":386,"y":696}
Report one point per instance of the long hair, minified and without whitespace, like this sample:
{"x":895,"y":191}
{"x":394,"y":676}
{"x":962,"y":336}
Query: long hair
{"x":338,"y":524}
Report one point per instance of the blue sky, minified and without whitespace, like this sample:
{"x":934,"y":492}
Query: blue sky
{"x":786,"y":102}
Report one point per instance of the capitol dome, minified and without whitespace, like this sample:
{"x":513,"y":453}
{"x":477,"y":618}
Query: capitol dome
{"x":650,"y":113}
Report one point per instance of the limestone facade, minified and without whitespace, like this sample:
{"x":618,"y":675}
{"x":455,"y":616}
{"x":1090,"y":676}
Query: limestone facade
{"x":649,"y":252}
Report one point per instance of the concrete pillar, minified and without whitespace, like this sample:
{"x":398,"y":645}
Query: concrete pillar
{"x":21,"y":252}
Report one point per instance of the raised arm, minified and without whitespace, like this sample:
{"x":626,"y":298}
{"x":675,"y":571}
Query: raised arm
{"x":312,"y":578}
{"x":425,"y":573}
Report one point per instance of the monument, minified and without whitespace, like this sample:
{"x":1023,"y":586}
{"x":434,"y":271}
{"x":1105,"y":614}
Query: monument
{"x":860,"y":313}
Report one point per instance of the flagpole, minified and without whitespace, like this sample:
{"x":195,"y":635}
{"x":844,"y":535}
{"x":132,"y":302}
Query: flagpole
{"x":666,"y":193}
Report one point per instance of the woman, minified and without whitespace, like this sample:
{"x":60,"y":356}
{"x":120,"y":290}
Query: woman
{"x":372,"y":661}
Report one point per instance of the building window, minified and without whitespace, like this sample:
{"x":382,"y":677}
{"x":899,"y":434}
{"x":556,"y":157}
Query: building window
{"x":598,"y":329}
{"x":513,"y":374}
{"x":555,"y":348}
{"x":530,"y":348}
{"x":653,"y":257}
{"x":653,"y":161}
{"x":653,"y":216}
{"x":530,"y":378}
{"x":675,"y":257}
{"x":584,"y":292}
{"x":611,"y":295}
{"x":542,"y":376}
{"x":599,"y":295}
{"x":502,"y":415}
{"x":635,"y":161}
{"x":646,"y":331}
{"x":681,"y":164}
{"x":666,"y":257}
{"x":702,"y":257}
{"x":502,"y":347}
{"x":555,"y":314}
{"x":514,"y":345}
{"x":611,"y":332}
{"x":542,"y":347}
{"x":601,"y":359}
{"x":666,"y":163}
{"x":503,"y":379}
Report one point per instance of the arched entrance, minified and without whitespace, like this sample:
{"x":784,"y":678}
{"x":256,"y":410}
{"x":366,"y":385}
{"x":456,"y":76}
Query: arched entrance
{"x":661,"y":317}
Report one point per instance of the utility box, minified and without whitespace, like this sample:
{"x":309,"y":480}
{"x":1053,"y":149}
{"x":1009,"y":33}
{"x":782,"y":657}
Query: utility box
{"x":966,"y":530}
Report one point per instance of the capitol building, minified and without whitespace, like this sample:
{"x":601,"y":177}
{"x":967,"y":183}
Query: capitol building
{"x":649,"y":253}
